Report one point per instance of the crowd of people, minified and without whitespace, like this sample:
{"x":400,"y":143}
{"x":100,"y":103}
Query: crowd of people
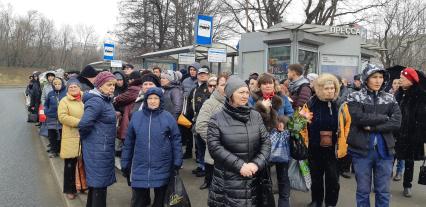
{"x":153,"y":119}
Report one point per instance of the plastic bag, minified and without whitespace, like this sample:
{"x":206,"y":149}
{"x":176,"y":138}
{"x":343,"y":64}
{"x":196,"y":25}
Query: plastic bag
{"x":176,"y":195}
{"x":299,"y":175}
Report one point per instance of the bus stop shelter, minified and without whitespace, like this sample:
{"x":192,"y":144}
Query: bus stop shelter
{"x":171,"y":56}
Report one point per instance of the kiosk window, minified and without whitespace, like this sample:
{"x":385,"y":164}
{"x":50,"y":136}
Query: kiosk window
{"x":278,"y":61}
{"x":310,"y":60}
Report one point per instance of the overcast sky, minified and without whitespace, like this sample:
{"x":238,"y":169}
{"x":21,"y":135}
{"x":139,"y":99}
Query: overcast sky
{"x":102,"y":14}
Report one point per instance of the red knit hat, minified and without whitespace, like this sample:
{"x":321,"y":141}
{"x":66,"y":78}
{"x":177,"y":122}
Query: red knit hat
{"x":102,"y":78}
{"x":410,"y":74}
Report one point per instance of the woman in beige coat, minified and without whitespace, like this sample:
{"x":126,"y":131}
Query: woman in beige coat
{"x":70,"y":111}
{"x":210,"y":107}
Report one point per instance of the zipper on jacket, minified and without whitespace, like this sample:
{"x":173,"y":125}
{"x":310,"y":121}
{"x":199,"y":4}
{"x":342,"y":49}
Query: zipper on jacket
{"x":149,"y":150}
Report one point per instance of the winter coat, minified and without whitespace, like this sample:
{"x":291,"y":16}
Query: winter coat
{"x":300,"y":93}
{"x":70,"y":111}
{"x":235,"y":139}
{"x":35,"y":94}
{"x":97,"y":130}
{"x":152,"y":148}
{"x":86,"y":85}
{"x":196,"y":99}
{"x":188,"y":84}
{"x":380,"y":112}
{"x":280,"y":107}
{"x":412,"y":134}
{"x":47,"y":88}
{"x":173,"y":98}
{"x":51,"y":107}
{"x":126,"y":101}
{"x":210,"y":107}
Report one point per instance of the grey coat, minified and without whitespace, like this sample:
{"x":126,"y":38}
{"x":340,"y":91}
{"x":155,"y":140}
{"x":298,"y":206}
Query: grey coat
{"x":188,"y":84}
{"x":213,"y":105}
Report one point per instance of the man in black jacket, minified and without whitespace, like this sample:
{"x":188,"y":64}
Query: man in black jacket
{"x":411,"y":137}
{"x":375,"y":116}
{"x":196,"y":98}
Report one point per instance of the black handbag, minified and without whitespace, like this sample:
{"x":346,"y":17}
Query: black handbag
{"x":298,"y":149}
{"x":32,"y":118}
{"x":265,"y":196}
{"x":422,"y":174}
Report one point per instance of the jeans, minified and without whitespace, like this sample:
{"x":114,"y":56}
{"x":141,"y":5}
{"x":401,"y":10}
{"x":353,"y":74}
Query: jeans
{"x":365,"y":168}
{"x":323,"y":166}
{"x":141,"y":197}
{"x":201,"y":151}
{"x":400,"y":166}
{"x":283,"y":184}
{"x":96,"y":197}
{"x":408,"y":174}
{"x":69,"y":175}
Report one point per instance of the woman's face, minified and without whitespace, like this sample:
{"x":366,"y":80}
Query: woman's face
{"x":57,"y":84}
{"x":212,"y":85}
{"x":164,"y":81}
{"x":74,"y":90}
{"x":108,"y":88}
{"x":253,"y":85}
{"x":240,"y":97}
{"x":221,"y":86}
{"x":395,"y":84}
{"x":267,"y":88}
{"x":404,"y":82}
{"x":153,"y":101}
{"x":329,"y":91}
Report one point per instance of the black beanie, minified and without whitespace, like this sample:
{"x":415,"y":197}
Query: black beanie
{"x":89,"y":72}
{"x":135,"y":75}
{"x":151,"y":78}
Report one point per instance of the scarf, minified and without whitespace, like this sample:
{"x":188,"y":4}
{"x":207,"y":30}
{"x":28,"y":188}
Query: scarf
{"x":241,"y":113}
{"x":268,"y":96}
{"x":77,"y":97}
{"x":294,"y":85}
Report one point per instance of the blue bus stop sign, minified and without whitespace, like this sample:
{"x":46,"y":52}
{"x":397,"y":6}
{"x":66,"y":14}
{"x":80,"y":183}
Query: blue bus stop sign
{"x":108,"y":51}
{"x":204,"y":30}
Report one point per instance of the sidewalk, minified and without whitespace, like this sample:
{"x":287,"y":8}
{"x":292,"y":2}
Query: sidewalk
{"x":119,"y":194}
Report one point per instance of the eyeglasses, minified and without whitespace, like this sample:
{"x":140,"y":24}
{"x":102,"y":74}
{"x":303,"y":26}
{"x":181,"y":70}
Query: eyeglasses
{"x":212,"y":86}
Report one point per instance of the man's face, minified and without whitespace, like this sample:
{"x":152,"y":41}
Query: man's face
{"x":291,"y":75}
{"x":405,"y":83}
{"x":147,"y":85}
{"x":203,"y":77}
{"x":375,"y":82}
{"x":120,"y":83}
{"x":157,"y":72}
{"x":192,"y":72}
{"x":357,"y":83}
{"x":128,"y":70}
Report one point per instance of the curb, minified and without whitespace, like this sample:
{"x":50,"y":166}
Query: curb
{"x":57,"y":165}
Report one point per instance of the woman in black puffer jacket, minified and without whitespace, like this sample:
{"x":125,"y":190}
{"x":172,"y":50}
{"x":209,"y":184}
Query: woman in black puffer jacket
{"x":239,"y":144}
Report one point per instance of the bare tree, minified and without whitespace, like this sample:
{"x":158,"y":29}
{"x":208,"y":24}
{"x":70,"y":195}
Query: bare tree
{"x":402,"y":31}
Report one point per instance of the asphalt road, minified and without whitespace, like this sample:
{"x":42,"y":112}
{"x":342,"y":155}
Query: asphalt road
{"x":26,"y":177}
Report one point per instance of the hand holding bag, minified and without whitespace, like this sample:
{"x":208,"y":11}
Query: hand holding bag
{"x":298,"y":149}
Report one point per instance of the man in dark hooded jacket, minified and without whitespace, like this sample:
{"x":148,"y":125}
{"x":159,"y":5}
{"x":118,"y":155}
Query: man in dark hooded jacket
{"x":375,"y":115}
{"x":411,"y":137}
